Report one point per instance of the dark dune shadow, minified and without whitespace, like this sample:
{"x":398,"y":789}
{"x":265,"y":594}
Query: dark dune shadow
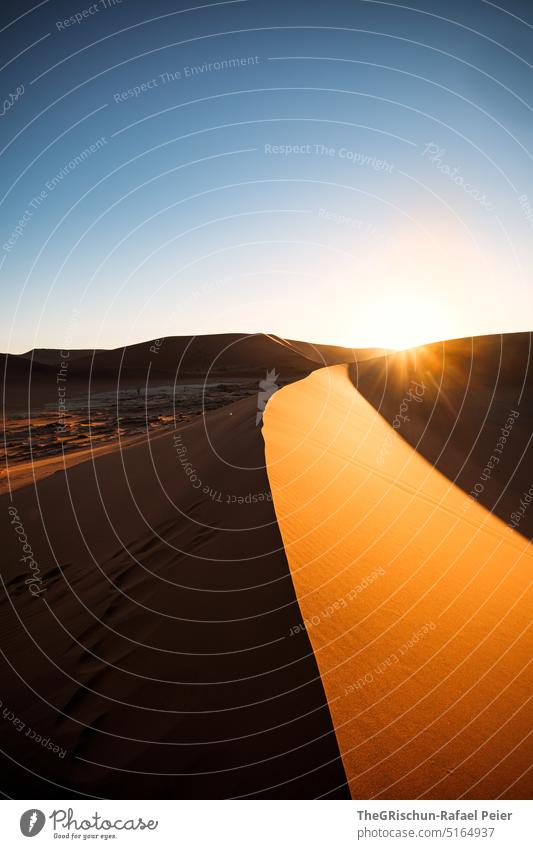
{"x":158,"y":658}
{"x":467,"y":406}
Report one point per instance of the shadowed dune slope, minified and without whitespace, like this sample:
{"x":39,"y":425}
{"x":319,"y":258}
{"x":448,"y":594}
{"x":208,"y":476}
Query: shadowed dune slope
{"x":473,"y":419}
{"x":414,"y":597}
{"x":158,"y":654}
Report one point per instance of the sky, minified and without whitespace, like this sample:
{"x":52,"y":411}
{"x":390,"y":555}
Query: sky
{"x":350,"y":172}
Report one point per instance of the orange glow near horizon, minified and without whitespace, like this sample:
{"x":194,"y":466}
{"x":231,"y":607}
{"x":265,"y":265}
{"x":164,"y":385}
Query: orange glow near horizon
{"x":399,"y":323}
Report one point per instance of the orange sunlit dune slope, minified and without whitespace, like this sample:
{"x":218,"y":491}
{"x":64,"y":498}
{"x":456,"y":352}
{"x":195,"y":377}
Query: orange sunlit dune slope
{"x":414,"y":597}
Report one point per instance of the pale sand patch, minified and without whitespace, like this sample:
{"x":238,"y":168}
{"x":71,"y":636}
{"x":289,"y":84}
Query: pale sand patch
{"x":445,"y":716}
{"x":24,"y":474}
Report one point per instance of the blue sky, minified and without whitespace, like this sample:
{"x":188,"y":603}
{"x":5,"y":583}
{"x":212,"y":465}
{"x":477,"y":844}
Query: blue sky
{"x":347,"y":172}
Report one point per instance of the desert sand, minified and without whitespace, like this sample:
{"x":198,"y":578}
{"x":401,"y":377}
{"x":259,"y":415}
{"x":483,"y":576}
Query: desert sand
{"x":146,"y":635}
{"x":477,"y":404}
{"x":63,"y":407}
{"x":198,"y":604}
{"x":415,"y":599}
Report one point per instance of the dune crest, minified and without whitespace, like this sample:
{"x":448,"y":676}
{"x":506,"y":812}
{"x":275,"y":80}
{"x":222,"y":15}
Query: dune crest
{"x":413,"y":596}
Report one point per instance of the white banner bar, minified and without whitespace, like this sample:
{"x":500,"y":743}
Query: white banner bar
{"x":268,"y":824}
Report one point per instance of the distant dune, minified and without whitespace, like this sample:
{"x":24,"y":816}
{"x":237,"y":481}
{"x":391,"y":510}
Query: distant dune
{"x":328,"y":355}
{"x":22,"y":380}
{"x":193,"y":356}
{"x":162,"y":361}
{"x":172,"y":356}
{"x":53,"y":356}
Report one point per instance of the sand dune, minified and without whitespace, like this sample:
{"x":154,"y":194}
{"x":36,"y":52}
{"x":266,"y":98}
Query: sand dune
{"x":174,"y":632}
{"x":333,"y":354}
{"x":226,"y":353}
{"x":155,"y":649}
{"x":62,"y":406}
{"x":30,"y":380}
{"x":20,"y":379}
{"x":414,"y":597}
{"x":51,"y":439}
{"x":476,"y":404}
{"x":53,"y":356}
